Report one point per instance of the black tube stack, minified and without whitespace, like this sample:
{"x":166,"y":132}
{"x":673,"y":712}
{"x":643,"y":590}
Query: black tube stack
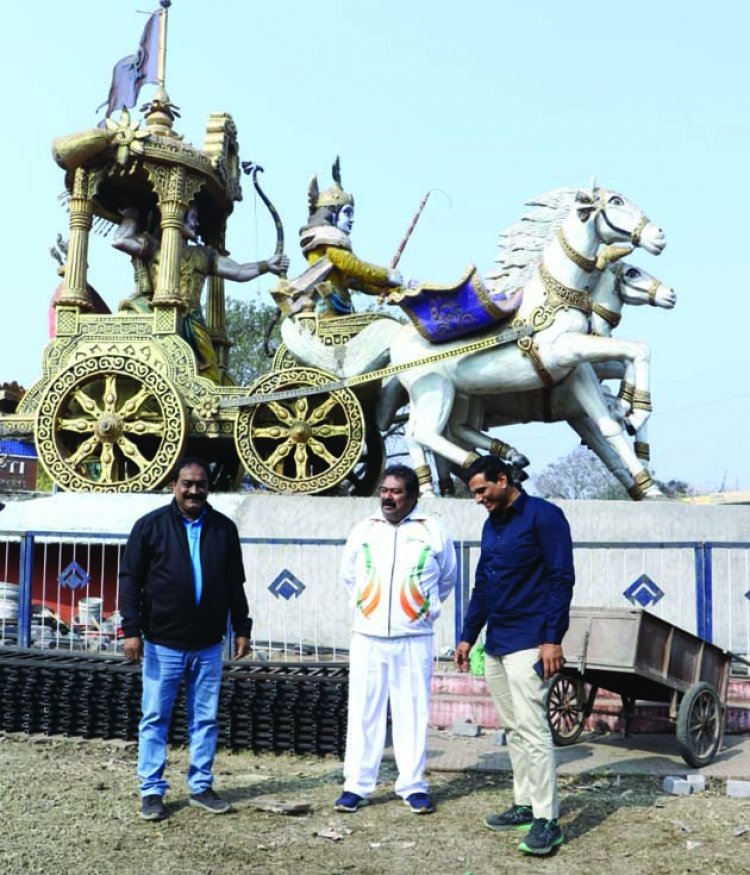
{"x":262,"y":706}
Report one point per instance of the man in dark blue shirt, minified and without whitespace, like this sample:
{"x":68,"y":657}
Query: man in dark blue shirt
{"x":522,"y":592}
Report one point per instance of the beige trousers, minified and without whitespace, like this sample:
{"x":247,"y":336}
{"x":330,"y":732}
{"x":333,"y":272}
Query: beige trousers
{"x":519,"y":698}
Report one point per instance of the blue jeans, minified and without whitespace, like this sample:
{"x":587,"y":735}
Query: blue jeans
{"x":163,"y":669}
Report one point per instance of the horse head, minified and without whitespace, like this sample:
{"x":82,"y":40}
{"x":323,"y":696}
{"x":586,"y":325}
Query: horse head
{"x":618,"y":219}
{"x":637,"y":286}
{"x":622,"y":284}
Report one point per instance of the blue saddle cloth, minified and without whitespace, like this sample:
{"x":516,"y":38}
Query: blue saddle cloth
{"x":443,"y":313}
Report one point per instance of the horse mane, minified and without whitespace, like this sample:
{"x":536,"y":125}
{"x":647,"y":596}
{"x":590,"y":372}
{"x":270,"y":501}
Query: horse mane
{"x":521,"y":244}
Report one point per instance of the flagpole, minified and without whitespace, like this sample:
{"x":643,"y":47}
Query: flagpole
{"x":162,"y":63}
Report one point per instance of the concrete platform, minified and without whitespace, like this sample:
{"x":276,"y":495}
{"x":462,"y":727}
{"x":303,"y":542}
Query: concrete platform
{"x":643,"y":754}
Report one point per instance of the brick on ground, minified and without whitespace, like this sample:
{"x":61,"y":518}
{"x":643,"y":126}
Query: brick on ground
{"x":676,"y":786}
{"x":466,"y":728}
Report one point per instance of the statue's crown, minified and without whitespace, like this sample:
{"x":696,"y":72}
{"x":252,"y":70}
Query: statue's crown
{"x":335,"y":196}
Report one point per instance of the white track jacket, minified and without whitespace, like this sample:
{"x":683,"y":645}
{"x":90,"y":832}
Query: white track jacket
{"x":398,"y":575}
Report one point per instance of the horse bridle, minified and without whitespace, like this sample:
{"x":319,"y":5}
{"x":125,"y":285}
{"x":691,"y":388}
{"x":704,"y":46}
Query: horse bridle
{"x":635,"y":234}
{"x":651,"y":291}
{"x":609,"y":316}
{"x":591,"y":264}
{"x":587,"y":264}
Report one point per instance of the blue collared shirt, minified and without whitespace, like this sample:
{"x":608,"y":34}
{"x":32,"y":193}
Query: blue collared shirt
{"x":524,"y":579}
{"x":193,"y":530}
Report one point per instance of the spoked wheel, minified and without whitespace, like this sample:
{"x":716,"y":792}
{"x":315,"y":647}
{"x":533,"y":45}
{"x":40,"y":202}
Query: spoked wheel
{"x":566,"y":708}
{"x":700,"y":724}
{"x":305,"y":444}
{"x":110,"y":424}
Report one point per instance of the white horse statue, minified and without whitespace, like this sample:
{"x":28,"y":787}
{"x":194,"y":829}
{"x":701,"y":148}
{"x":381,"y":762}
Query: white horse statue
{"x":471,"y":416}
{"x":554,"y":254}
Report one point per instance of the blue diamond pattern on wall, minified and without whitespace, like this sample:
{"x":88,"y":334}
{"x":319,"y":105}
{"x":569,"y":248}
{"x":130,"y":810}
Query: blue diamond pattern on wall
{"x":74,"y":576}
{"x":286,"y":585}
{"x":643,"y":591}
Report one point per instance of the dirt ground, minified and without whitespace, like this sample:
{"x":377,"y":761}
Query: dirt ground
{"x":68,"y":805}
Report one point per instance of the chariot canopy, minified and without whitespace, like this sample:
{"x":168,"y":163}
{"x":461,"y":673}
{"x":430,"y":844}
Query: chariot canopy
{"x":147,"y":166}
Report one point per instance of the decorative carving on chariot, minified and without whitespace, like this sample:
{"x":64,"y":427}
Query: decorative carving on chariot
{"x":122,"y":394}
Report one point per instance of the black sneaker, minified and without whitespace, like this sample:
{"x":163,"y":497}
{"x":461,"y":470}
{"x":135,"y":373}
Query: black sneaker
{"x":543,"y":837}
{"x":516,"y":817}
{"x":152,"y":807}
{"x":208,"y":800}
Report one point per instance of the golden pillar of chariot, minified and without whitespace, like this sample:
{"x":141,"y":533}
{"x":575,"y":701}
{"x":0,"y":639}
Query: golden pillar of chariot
{"x":115,"y":412}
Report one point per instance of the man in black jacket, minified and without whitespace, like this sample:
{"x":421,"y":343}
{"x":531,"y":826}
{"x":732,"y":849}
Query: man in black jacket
{"x":181,"y":575}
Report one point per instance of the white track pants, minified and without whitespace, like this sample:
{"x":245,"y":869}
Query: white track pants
{"x":399,"y":669}
{"x":519,"y":697}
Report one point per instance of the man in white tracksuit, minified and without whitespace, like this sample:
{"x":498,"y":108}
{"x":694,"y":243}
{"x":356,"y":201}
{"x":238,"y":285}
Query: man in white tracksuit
{"x":398,"y":565}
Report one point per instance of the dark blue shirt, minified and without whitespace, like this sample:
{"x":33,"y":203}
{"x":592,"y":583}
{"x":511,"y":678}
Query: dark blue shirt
{"x":524,"y":580}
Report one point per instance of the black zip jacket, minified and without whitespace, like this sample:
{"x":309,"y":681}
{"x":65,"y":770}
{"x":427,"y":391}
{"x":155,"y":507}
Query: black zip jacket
{"x":157,"y":589}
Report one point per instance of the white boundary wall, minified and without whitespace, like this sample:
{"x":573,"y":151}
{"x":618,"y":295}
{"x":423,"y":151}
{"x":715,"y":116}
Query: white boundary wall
{"x":697,"y":556}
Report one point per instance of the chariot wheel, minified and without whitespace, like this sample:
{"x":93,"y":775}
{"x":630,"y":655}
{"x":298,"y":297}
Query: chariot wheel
{"x":565,"y":703}
{"x":305,"y":444}
{"x":700,"y":724}
{"x":110,"y":424}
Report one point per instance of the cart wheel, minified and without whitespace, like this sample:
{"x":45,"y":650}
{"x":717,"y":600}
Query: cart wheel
{"x":110,"y":424}
{"x":565,"y":703}
{"x":700,"y":724}
{"x":305,"y":444}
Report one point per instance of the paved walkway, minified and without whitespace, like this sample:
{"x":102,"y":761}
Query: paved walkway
{"x":656,"y":754}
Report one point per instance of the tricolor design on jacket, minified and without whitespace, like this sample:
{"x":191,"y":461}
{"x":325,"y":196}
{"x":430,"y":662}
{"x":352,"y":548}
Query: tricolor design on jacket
{"x":369,"y":598}
{"x":398,"y":574}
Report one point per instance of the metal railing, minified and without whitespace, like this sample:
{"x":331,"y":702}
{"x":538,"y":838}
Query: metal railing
{"x":64,"y":593}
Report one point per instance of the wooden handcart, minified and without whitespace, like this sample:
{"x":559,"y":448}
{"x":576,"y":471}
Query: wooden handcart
{"x":642,"y":658}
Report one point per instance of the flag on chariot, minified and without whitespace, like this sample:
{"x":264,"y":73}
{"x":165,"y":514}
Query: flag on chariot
{"x":133,"y":71}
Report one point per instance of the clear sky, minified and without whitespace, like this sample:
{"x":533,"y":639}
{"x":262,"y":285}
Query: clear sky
{"x":493,"y":102}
